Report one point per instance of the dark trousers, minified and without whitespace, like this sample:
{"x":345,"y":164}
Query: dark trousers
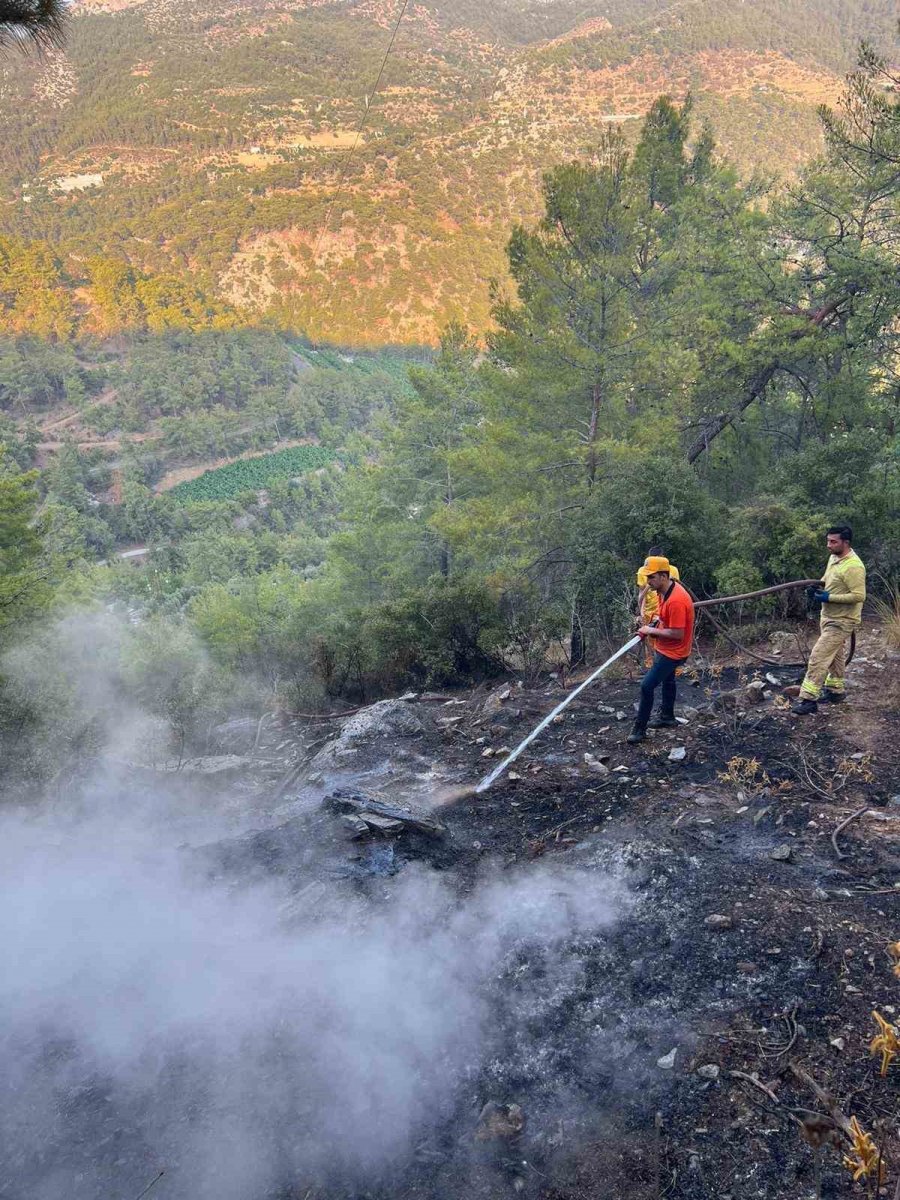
{"x":661,"y":674}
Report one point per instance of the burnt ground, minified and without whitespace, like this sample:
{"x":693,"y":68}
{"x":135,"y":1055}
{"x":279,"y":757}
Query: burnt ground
{"x":762,"y":1005}
{"x":693,"y":1049}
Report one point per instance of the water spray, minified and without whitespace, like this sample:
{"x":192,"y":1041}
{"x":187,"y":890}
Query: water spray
{"x":511,"y":758}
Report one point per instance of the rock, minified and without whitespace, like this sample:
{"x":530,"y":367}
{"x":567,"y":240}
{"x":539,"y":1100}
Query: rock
{"x":783,"y":853}
{"x":682,"y":721}
{"x":837,"y":1042}
{"x":594,"y":764}
{"x":606,"y":708}
{"x":356,"y":826}
{"x":747,"y":968}
{"x":667,"y":1062}
{"x":621,"y":716}
{"x":496,"y":700}
{"x":235,"y":737}
{"x":367,"y":808}
{"x":499,"y":1122}
{"x":708,"y":1071}
{"x":677,"y":754}
{"x":487,"y":753}
{"x":782,"y":640}
{"x":214,"y":768}
{"x":894,"y":801}
{"x":754,"y":692}
{"x":719,"y":922}
{"x":386,"y":719}
{"x":773,"y":679}
{"x":383,"y":824}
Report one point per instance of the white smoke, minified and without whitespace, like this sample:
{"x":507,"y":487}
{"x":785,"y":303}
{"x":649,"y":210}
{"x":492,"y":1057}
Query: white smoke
{"x":151,"y":1019}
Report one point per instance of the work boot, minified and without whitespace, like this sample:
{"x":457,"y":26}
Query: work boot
{"x":803,"y":708}
{"x":831,"y":697}
{"x":662,"y":721}
{"x":638,"y":734}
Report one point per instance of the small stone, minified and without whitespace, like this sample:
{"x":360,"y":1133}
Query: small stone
{"x":761,"y":814}
{"x":895,"y":801}
{"x":837,"y":1042}
{"x":514,"y":775}
{"x":747,"y":968}
{"x":606,"y":708}
{"x":743,"y":808}
{"x":718,"y":921}
{"x":753,"y":692}
{"x":782,"y":854}
{"x":677,"y":754}
{"x":682,"y":720}
{"x":820,"y":894}
{"x":667,"y":1062}
{"x":773,"y":679}
{"x":487,"y":753}
{"x":708,"y":1071}
{"x":621,"y":716}
{"x":594,"y":764}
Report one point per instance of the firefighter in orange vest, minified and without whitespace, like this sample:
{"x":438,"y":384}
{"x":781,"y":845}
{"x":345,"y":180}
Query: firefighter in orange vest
{"x":648,"y":600}
{"x":672,"y":637}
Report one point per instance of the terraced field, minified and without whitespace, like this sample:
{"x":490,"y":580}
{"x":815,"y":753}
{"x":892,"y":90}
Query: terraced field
{"x":252,"y":474}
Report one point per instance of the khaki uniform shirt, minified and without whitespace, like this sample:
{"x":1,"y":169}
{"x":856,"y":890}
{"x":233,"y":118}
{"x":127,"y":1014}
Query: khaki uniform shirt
{"x":845,"y":581}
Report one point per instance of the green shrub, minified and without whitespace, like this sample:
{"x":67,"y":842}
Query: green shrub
{"x":446,"y":632}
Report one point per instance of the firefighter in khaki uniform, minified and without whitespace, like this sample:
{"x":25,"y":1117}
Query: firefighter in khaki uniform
{"x":842,"y":595}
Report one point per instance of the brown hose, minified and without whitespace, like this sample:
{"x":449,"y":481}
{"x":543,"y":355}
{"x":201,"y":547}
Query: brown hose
{"x":779,"y":587}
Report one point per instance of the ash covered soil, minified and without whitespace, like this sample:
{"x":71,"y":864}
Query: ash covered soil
{"x":671,"y":953}
{"x":683,"y":1057}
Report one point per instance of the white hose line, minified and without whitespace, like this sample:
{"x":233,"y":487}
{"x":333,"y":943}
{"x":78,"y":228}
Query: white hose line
{"x":511,"y":758}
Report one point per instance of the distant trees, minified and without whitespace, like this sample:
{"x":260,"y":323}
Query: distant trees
{"x":24,"y":571}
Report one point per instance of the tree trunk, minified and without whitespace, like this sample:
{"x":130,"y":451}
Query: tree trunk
{"x":576,"y":638}
{"x":715,"y":425}
{"x":593,"y":426}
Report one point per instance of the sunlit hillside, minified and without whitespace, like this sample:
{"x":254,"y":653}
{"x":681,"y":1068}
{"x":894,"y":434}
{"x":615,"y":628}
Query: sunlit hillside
{"x":208,"y":148}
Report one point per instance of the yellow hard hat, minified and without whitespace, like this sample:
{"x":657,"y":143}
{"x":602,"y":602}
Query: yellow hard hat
{"x":656,"y":563}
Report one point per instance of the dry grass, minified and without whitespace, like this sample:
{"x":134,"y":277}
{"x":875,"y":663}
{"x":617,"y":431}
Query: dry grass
{"x":888,"y":611}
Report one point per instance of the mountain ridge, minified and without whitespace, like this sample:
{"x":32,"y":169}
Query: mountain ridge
{"x":213,"y":149}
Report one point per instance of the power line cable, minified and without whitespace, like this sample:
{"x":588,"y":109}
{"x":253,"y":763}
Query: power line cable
{"x":349,"y":158}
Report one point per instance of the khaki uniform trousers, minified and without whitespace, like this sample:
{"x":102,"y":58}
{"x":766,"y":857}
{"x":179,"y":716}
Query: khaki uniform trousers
{"x":828,"y":659}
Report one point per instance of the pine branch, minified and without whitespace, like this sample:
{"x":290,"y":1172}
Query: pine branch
{"x":40,"y":23}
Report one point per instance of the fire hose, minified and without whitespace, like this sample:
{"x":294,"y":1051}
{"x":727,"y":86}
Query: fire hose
{"x":629,"y":645}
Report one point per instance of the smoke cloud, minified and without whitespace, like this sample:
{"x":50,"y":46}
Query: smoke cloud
{"x":153,"y":1018}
